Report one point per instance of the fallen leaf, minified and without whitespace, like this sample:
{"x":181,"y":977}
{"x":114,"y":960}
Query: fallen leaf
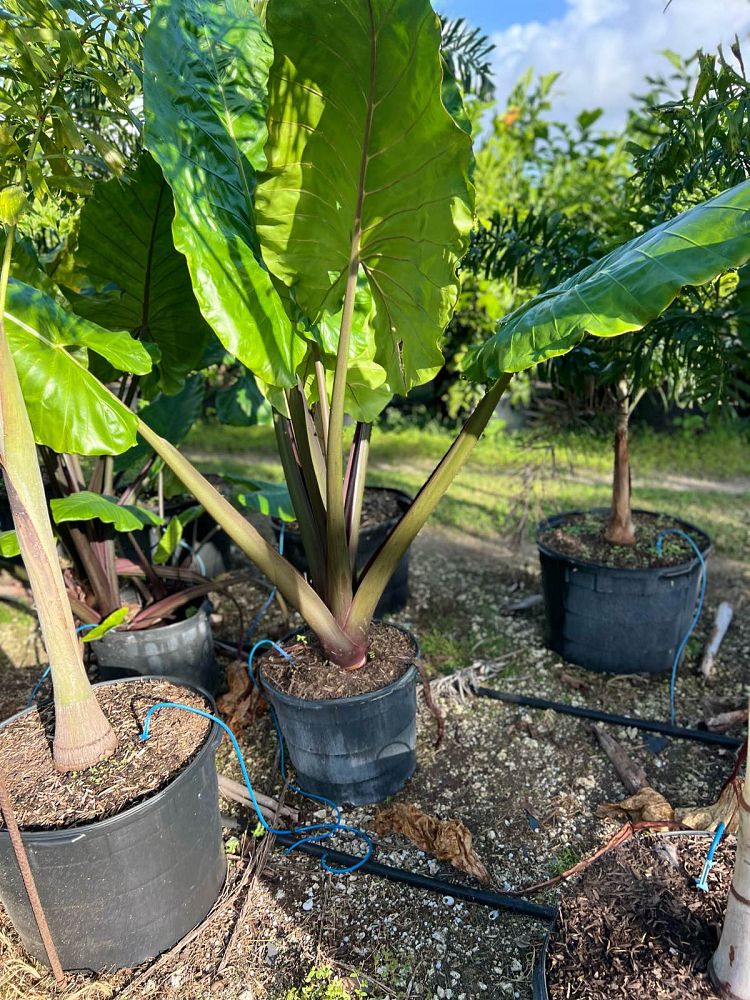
{"x":646,"y":806}
{"x":234,"y":705}
{"x":447,"y":839}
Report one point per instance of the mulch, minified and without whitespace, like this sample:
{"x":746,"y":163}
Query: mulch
{"x":390,"y":653}
{"x":581,"y":536}
{"x":636,"y":925}
{"x":43,"y":798}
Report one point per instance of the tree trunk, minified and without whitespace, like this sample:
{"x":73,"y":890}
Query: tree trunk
{"x":620,"y":529}
{"x":730,"y":966}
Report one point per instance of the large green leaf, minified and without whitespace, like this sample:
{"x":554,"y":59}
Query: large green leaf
{"x":170,"y":416}
{"x":242,"y":404}
{"x":206,"y":67}
{"x":366,"y":163}
{"x":125,"y":247}
{"x":87,"y":506}
{"x":624,"y":290}
{"x":70,"y":410}
{"x":9,"y":547}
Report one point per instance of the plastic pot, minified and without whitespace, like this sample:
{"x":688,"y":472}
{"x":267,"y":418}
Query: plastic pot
{"x":396,"y":594}
{"x":618,"y":621}
{"x":357,"y":750}
{"x":183,"y":649}
{"x":539,"y":974}
{"x":121,"y":891}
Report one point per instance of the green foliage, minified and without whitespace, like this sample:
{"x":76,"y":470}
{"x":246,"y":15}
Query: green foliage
{"x":65,"y":101}
{"x":337,"y":166}
{"x":133,"y":278}
{"x":87,"y":506}
{"x":111,"y":621}
{"x":206,"y":69}
{"x":626,"y":289}
{"x":321,"y":983}
{"x":466,"y":51}
{"x":69,"y":408}
{"x":9,"y":547}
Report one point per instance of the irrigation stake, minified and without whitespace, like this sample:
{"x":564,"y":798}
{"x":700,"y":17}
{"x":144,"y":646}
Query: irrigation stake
{"x":22,"y":858}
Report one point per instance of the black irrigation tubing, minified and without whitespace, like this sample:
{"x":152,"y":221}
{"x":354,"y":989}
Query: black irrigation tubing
{"x":494,"y":899}
{"x":650,"y":725}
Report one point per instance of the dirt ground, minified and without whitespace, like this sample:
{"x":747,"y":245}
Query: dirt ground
{"x":526,"y":783}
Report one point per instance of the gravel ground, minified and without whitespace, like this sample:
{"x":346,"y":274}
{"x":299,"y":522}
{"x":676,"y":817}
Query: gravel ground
{"x":526,"y":784}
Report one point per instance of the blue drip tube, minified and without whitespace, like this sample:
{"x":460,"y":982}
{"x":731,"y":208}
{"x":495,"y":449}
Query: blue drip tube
{"x":696,"y":616}
{"x":46,"y":672}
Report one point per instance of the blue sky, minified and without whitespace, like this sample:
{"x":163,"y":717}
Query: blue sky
{"x":603,"y":49}
{"x":493,"y":15}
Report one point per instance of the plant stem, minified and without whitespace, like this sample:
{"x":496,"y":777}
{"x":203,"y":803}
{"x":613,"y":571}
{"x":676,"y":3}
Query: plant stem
{"x":730,"y":965}
{"x":354,"y":487}
{"x":83,"y":736}
{"x":620,"y":529}
{"x":381,"y":567}
{"x":338,"y":644}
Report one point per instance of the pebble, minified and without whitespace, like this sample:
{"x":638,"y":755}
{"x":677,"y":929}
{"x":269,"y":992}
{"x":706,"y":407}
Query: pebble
{"x":307,"y":905}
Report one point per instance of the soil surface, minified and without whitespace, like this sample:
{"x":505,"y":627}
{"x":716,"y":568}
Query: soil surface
{"x":581,"y":536}
{"x":44,"y":798}
{"x":311,"y":675}
{"x":637,"y":925}
{"x":527,"y":784}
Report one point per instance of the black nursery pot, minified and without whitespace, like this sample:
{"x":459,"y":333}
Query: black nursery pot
{"x":120,"y":891}
{"x":357,"y":750}
{"x":396,"y":594}
{"x":183,"y":649}
{"x":618,"y":621}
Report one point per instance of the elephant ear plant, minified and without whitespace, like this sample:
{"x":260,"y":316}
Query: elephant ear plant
{"x":322,"y":199}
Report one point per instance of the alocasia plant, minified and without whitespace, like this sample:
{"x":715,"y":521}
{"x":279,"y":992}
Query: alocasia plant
{"x":322,"y":201}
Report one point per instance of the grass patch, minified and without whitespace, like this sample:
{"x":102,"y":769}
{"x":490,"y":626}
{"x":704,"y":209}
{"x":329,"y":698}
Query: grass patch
{"x":514,"y":480}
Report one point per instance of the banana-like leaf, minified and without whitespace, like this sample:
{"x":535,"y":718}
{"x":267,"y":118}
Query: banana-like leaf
{"x":70,"y":410}
{"x":125,"y":247}
{"x":206,"y":68}
{"x":87,"y":506}
{"x":366,"y":163}
{"x":624,"y":290}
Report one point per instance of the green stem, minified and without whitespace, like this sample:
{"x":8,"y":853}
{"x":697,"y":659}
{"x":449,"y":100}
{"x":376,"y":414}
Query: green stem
{"x":382,"y":566}
{"x":83,"y":736}
{"x":292,"y":585}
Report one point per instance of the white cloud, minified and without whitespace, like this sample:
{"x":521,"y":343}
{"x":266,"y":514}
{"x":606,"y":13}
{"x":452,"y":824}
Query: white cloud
{"x":605,"y":48}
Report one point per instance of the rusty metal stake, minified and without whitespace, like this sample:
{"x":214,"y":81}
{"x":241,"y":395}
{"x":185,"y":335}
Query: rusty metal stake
{"x":19,"y":850}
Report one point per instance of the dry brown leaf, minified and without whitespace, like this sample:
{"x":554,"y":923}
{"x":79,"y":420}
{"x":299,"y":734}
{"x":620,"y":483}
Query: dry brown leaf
{"x":447,"y":839}
{"x":233,"y":706}
{"x":646,"y":806}
{"x":725,"y":811}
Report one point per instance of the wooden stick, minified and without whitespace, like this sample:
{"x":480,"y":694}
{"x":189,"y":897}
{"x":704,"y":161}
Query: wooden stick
{"x":235,"y":791}
{"x":722,"y":621}
{"x":632,"y":775}
{"x":6,"y":808}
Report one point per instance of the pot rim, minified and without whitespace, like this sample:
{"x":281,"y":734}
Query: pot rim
{"x":408,"y":675}
{"x":210,"y":744}
{"x":703,"y":539}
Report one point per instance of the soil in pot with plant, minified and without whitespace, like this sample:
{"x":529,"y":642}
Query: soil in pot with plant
{"x":47,"y":799}
{"x":310,"y":675}
{"x":581,"y":536}
{"x":636,"y":925}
